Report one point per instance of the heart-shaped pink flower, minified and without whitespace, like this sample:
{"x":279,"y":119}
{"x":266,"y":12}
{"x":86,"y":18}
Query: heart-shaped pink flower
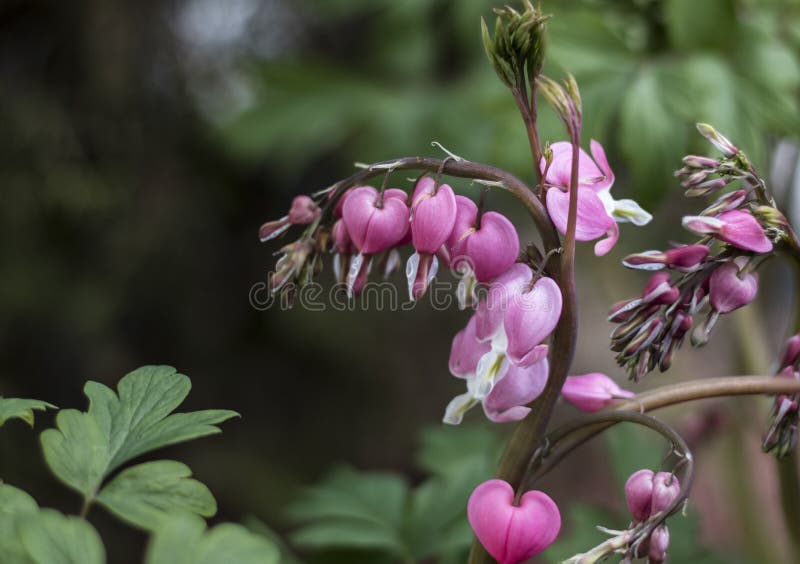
{"x":730,"y":289}
{"x":531,"y":316}
{"x":375,"y":222}
{"x":433,"y":214}
{"x":512,"y":533}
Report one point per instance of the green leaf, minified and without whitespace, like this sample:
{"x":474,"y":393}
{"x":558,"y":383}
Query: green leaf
{"x":87,"y":447}
{"x":76,"y":451}
{"x":181,"y":540}
{"x":21,"y":409}
{"x":446,"y":449}
{"x":52,"y":538}
{"x":137,"y":419}
{"x":353,"y":509}
{"x":144,"y":494}
{"x":651,"y":137}
{"x":693,"y":25}
{"x":14,"y":504}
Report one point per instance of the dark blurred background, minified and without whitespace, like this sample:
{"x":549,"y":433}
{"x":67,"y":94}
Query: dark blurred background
{"x":143,"y":143}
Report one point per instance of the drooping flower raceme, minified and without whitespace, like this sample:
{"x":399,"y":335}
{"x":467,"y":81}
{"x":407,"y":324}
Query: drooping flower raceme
{"x":512,"y":533}
{"x":598,"y":211}
{"x":592,"y":392}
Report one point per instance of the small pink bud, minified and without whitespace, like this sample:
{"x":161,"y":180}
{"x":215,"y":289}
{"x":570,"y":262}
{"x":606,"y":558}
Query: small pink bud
{"x":512,"y":533}
{"x":718,"y":140}
{"x":659,"y":290}
{"x":341,"y":238}
{"x":696,"y":161}
{"x":792,"y":354}
{"x":272,"y":229}
{"x":466,"y":351}
{"x":639,"y":494}
{"x":592,"y":392}
{"x":375,"y":221}
{"x":726,"y":202}
{"x":686,"y":258}
{"x":659,"y":543}
{"x":730,"y":289}
{"x":707,"y":187}
{"x":304,"y":210}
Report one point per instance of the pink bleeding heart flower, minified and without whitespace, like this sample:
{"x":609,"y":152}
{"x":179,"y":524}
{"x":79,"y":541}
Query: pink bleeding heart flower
{"x":598,"y":211}
{"x":592,"y":392}
{"x":730,"y":288}
{"x":686,"y":258}
{"x":648,"y":493}
{"x":375,"y":222}
{"x":433,"y":215}
{"x":737,"y":227}
{"x":512,"y":533}
{"x":466,"y":351}
{"x":502,"y":292}
{"x":488,"y":250}
{"x":531,"y":316}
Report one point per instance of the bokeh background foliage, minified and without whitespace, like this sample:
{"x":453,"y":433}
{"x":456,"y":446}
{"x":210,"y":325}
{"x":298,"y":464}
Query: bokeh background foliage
{"x":144,"y":143}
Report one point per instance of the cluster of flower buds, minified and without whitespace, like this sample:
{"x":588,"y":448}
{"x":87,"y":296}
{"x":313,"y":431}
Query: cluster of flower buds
{"x":648,"y":494}
{"x":781,"y":437}
{"x":713,"y":276}
{"x":500,"y":352}
{"x":512,"y":532}
{"x":366,"y":224}
{"x":592,"y":392}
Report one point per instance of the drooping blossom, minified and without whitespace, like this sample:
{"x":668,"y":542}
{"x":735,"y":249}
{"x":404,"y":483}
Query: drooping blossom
{"x":730,"y":288}
{"x":512,"y":533}
{"x":592,"y":392}
{"x":737,"y":227}
{"x":433,"y":214}
{"x":502,"y":387}
{"x":598,"y":212}
{"x":659,"y":544}
{"x":375,"y":222}
{"x":480,"y":248}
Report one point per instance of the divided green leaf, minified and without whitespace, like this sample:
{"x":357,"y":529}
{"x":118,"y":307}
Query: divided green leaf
{"x":14,"y":504}
{"x":16,"y":408}
{"x":86,"y":447}
{"x":182,"y":539}
{"x":144,"y":494}
{"x":52,"y":538}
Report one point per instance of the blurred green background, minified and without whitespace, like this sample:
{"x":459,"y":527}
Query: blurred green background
{"x":144,"y":143}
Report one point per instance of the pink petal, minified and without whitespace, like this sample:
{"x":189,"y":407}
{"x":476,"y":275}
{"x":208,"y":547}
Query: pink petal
{"x":490,"y":311}
{"x":516,"y":387}
{"x":742,"y":230}
{"x":599,"y":155}
{"x":560,"y":171}
{"x":592,"y":221}
{"x":592,"y":392}
{"x":466,"y":218}
{"x":493,"y":248}
{"x":530,"y":317}
{"x":374,"y":229}
{"x":466,"y":351}
{"x":729,"y":289}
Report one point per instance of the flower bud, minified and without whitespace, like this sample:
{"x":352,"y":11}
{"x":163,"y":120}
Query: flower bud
{"x":730,"y":289}
{"x":791,"y":356}
{"x":659,"y":543}
{"x":725,"y":203}
{"x":592,"y":392}
{"x":304,"y":210}
{"x":718,"y":140}
{"x":639,"y":494}
{"x":375,"y":222}
{"x":696,"y":161}
{"x":666,"y":489}
{"x":707,"y":187}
